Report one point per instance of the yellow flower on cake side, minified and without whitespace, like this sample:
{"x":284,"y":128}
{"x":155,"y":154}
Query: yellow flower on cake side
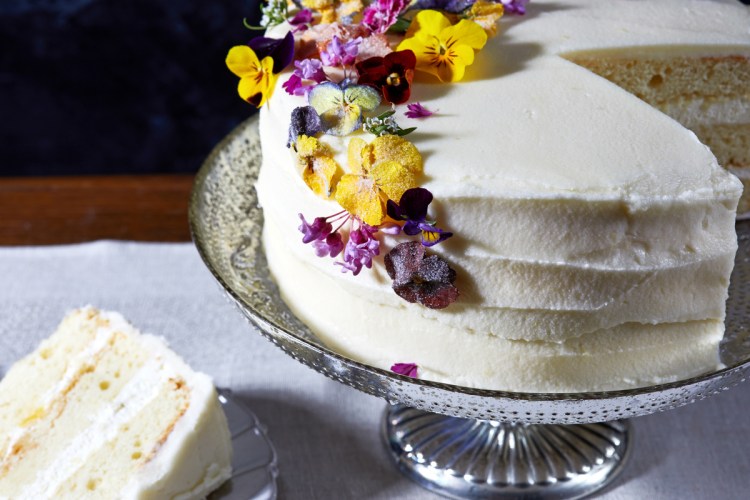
{"x":318,"y":166}
{"x":381,"y":170}
{"x":257,"y":79}
{"x":441,"y":48}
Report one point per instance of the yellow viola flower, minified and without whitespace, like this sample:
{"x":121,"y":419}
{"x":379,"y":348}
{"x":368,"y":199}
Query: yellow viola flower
{"x":442,"y":49}
{"x":486,"y":14}
{"x":381,"y":170}
{"x":332,"y":11}
{"x":257,"y":79}
{"x":315,"y":159}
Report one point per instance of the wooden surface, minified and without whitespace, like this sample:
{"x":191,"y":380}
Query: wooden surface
{"x":54,"y":210}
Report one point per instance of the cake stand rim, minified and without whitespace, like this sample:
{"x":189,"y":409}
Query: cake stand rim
{"x":270,"y":329}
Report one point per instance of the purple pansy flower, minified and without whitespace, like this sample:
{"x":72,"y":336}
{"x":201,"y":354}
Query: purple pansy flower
{"x":422,"y":278}
{"x":281,"y":50}
{"x":416,"y":110}
{"x":412,"y":208}
{"x":305,"y":121}
{"x":382,"y":14}
{"x":360,"y":249}
{"x":337,"y":53}
{"x":408,"y":369}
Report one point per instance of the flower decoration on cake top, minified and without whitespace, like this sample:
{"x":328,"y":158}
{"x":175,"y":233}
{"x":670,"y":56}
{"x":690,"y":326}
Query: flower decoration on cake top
{"x":353,"y":65}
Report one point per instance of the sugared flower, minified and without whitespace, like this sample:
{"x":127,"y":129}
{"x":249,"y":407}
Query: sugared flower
{"x":442,"y":49}
{"x":417,"y":277}
{"x":412,"y":208}
{"x":341,"y":109}
{"x":382,"y":14}
{"x":379,"y":171}
{"x":315,"y":159}
{"x":408,"y":369}
{"x":385,"y":124}
{"x":416,"y":110}
{"x":486,"y":14}
{"x":392,"y":74}
{"x":305,"y":121}
{"x":334,"y":10}
{"x":257,"y":79}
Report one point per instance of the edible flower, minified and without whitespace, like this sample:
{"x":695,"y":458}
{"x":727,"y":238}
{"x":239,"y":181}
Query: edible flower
{"x":258,"y":64}
{"x":315,"y":158}
{"x":334,"y":10}
{"x":281,"y":50}
{"x":486,"y":14}
{"x":452,"y":6}
{"x":408,"y":369}
{"x":341,"y":109}
{"x":417,"y":277}
{"x":301,"y":20}
{"x":257,"y":79}
{"x":305,"y":121}
{"x":320,"y":233}
{"x":338,"y":53}
{"x":360,"y":249}
{"x":515,"y":6}
{"x":382,"y":14}
{"x":392,"y":74}
{"x":412,"y":208}
{"x":381,"y":170}
{"x":442,"y":49}
{"x":306,"y":69}
{"x":385,"y":124}
{"x":416,"y":110}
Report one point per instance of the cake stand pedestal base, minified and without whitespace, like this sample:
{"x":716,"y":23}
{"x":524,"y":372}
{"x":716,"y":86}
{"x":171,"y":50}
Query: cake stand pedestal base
{"x":464,"y":458}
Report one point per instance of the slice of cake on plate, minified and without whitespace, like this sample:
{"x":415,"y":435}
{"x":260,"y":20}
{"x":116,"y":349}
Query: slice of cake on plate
{"x":102,"y":411}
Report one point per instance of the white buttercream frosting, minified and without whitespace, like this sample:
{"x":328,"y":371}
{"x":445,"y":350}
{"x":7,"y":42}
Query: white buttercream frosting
{"x":579,"y":211}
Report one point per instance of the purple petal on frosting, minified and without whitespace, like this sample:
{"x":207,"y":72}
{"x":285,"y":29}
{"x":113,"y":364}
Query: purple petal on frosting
{"x":305,"y":121}
{"x":416,"y":110}
{"x":408,"y":369}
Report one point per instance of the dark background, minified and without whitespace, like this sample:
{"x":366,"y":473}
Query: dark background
{"x":117,"y":86}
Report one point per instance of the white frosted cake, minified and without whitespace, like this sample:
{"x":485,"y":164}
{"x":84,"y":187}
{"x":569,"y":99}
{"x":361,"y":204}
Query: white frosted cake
{"x":102,"y":411}
{"x":592,"y":235}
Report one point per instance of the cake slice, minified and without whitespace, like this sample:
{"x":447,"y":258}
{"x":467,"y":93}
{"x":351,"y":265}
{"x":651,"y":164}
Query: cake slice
{"x":102,"y":411}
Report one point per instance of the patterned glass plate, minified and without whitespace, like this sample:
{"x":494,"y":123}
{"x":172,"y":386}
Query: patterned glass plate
{"x":254,"y":461}
{"x":226,"y":224}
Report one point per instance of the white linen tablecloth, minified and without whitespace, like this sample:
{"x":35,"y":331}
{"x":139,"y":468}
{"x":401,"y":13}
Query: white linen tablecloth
{"x":326,"y":434}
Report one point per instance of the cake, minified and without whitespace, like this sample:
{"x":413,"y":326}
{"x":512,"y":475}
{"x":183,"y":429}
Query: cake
{"x":592,"y":236}
{"x":102,"y":411}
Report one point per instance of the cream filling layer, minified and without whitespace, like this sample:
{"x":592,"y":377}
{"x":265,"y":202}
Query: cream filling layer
{"x":696,"y":112}
{"x":136,"y":394}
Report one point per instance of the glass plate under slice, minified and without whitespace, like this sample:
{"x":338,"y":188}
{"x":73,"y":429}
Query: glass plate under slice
{"x":254,"y":460}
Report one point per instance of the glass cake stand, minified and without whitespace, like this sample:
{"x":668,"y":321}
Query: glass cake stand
{"x":457,"y":441}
